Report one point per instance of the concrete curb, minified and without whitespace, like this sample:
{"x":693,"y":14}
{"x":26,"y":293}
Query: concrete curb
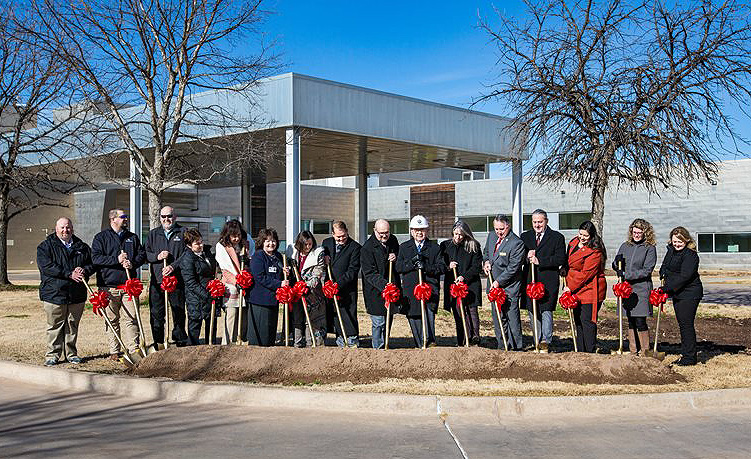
{"x":497,"y":408}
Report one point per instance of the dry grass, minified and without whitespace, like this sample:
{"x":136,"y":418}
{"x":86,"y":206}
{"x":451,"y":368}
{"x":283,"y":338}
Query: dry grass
{"x":22,"y":338}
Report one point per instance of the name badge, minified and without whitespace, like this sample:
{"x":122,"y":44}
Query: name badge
{"x":503,"y":254}
{"x":272,"y":269}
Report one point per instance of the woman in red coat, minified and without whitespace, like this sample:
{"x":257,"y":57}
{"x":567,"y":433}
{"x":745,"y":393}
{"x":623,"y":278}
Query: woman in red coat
{"x":586,"y":279}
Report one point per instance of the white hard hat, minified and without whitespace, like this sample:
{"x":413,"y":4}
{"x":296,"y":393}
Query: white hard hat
{"x":418,"y":222}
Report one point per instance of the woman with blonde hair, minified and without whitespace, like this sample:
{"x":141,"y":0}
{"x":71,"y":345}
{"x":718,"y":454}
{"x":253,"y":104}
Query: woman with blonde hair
{"x":680,"y":270}
{"x":635,"y":261}
{"x":463,"y":252}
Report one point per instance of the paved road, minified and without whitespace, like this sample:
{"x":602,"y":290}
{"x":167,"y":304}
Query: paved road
{"x":39,"y":423}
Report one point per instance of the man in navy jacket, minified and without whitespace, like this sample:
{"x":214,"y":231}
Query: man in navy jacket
{"x":113,"y":251}
{"x":64,"y":263}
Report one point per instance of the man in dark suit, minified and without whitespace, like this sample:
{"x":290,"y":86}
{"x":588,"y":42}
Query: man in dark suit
{"x":546,"y":253}
{"x":420,"y":253}
{"x":166,"y":243}
{"x":504,"y":256}
{"x":377,"y":254}
{"x":344,"y":257}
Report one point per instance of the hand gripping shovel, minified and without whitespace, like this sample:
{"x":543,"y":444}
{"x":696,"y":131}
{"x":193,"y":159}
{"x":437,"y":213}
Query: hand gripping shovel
{"x":128,"y":358}
{"x":338,"y":312}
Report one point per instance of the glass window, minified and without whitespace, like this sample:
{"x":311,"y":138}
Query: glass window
{"x":476,"y":224}
{"x":321,"y":227}
{"x":706,"y":242}
{"x":527,"y":220}
{"x":399,"y":226}
{"x":571,"y":221}
{"x":305,"y":225}
{"x":732,"y":242}
{"x":216,"y":224}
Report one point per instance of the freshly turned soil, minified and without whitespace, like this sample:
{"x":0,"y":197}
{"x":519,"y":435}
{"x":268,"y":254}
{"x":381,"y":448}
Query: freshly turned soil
{"x":323,"y":365}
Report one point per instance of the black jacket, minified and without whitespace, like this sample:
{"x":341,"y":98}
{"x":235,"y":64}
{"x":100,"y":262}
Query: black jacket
{"x":470,"y":265}
{"x":104,"y":252}
{"x":680,"y":269}
{"x":375,"y":273}
{"x":56,"y":263}
{"x":156,"y":242}
{"x":552,"y":256}
{"x":433,"y":268}
{"x":196,"y":274}
{"x":345,"y":267}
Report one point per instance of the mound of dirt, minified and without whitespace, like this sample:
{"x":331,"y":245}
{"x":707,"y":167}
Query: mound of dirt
{"x":289,"y":366}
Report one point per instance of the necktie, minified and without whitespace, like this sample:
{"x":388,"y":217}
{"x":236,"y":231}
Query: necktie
{"x":539,"y":236}
{"x":497,"y":244}
{"x":338,"y":248}
{"x":419,"y":247}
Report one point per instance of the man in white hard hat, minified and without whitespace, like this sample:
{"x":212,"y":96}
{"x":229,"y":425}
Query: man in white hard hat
{"x":420,"y":254}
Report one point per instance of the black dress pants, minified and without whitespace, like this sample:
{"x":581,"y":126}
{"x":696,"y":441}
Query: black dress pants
{"x":194,"y":330}
{"x":685,"y":313}
{"x":156,"y":309}
{"x":472,"y":319}
{"x":586,"y":329}
{"x":262,"y":321}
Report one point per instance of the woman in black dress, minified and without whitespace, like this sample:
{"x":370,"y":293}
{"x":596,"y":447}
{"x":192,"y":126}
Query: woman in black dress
{"x":680,"y":269}
{"x":463,"y":252}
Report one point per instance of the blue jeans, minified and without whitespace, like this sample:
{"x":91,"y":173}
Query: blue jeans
{"x":352,"y":341}
{"x":379,"y":330}
{"x":545,"y":329}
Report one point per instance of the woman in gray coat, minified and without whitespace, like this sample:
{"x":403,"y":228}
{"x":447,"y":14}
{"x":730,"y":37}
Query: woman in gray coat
{"x":639,"y":258}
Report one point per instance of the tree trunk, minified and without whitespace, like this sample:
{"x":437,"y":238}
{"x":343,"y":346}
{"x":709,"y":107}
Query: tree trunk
{"x":4,"y":237}
{"x":155,"y":205}
{"x":599,"y":188}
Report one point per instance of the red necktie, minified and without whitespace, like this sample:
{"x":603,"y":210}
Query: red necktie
{"x":497,"y":244}
{"x":539,"y":236}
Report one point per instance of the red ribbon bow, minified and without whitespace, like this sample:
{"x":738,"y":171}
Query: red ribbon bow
{"x":285,"y":295}
{"x":390,"y":294}
{"x":658,"y":297}
{"x":243,"y":280}
{"x":497,"y":295}
{"x":99,"y":300}
{"x":300,"y":289}
{"x":535,"y":290}
{"x":133,"y":287}
{"x":331,"y":289}
{"x":422,"y":291}
{"x":569,"y":300}
{"x":623,"y":290}
{"x":459,"y":290}
{"x":215,"y":288}
{"x":169,"y":283}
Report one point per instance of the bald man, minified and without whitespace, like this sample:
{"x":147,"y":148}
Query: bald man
{"x":166,"y":243}
{"x":379,"y":250}
{"x":64,"y":263}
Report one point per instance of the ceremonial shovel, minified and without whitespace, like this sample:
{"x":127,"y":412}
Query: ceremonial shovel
{"x":239,"y":318}
{"x":570,"y":319}
{"x":388,"y":311}
{"x":620,"y":350}
{"x":130,"y":359}
{"x":460,"y":306}
{"x":286,"y":306}
{"x":422,"y":313}
{"x":499,"y":307}
{"x":142,"y":342}
{"x":212,"y":322}
{"x":166,"y":314}
{"x":655,"y":354}
{"x":534,"y":312}
{"x":338,"y":313}
{"x":305,"y":310}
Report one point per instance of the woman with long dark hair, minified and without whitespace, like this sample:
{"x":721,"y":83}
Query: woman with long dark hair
{"x":638,"y":257}
{"x":680,"y":269}
{"x":309,"y":259}
{"x":231,"y":255}
{"x":586,"y":279}
{"x":463,"y":252}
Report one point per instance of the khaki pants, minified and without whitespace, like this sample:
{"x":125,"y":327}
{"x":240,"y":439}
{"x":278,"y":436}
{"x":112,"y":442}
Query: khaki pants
{"x":120,"y":301}
{"x":62,"y":328}
{"x":230,"y":325}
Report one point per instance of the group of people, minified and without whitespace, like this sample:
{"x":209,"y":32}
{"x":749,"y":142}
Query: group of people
{"x":509,"y":262}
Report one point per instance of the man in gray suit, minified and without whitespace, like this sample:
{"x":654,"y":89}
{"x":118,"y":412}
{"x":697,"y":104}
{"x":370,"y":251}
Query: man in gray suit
{"x":504,"y":254}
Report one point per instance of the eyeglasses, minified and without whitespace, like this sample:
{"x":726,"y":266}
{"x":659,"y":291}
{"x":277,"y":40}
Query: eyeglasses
{"x":167,"y":216}
{"x":123,"y":216}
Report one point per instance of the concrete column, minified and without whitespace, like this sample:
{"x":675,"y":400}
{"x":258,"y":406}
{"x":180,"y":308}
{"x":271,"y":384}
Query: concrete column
{"x":292,"y":185}
{"x":517,"y":212}
{"x":362,"y":191}
{"x":246,"y":190}
{"x":136,"y":200}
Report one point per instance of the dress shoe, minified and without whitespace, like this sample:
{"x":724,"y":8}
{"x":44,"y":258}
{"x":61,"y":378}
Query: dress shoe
{"x":50,"y":362}
{"x":685,"y":362}
{"x":75,"y":360}
{"x":544,"y":348}
{"x":474,"y":341}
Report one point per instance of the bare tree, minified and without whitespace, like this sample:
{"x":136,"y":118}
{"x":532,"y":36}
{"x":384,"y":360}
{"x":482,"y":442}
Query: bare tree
{"x":149,"y":68}
{"x":622,"y":93}
{"x":35,"y":148}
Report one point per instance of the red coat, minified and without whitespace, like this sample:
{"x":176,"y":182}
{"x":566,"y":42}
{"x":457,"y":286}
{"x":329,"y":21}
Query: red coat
{"x":586,"y":276}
